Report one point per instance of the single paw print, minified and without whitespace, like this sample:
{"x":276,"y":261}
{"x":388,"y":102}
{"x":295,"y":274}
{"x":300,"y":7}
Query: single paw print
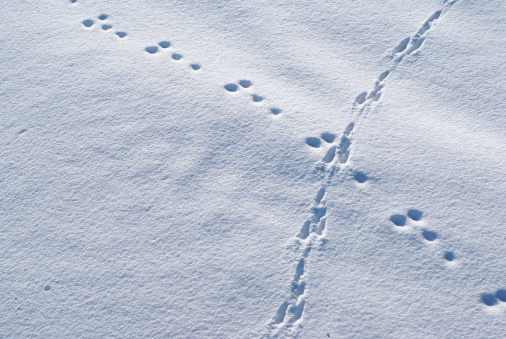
{"x":494,"y":299}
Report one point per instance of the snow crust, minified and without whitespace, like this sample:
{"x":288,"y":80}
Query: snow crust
{"x":253,"y":169}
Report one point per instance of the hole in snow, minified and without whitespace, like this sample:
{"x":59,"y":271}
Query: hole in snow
{"x":398,"y":220}
{"x":313,"y":142}
{"x":88,"y":23}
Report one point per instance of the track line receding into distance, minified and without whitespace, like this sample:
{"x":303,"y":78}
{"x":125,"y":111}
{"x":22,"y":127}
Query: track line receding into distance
{"x":290,"y":314}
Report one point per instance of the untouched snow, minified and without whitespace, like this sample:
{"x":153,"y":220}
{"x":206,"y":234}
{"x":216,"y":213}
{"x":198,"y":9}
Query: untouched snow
{"x":253,"y":169}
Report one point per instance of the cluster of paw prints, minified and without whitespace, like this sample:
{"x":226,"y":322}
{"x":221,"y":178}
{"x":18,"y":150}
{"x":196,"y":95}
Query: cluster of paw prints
{"x":162,"y":45}
{"x":327,"y":138}
{"x":399,"y":220}
{"x":375,"y":94}
{"x":88,"y":23}
{"x":315,"y":142}
{"x":494,"y":299}
{"x":246,"y":84}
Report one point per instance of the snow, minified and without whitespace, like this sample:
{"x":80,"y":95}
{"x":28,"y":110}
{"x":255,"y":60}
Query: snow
{"x":253,"y":169}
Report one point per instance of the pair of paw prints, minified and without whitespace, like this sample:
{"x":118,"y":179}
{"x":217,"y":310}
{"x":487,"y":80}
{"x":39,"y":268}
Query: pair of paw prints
{"x":494,"y":299}
{"x":316,"y":142}
{"x":415,"y":215}
{"x":400,"y":219}
{"x":245,"y":84}
{"x":89,"y":23}
{"x":175,"y":56}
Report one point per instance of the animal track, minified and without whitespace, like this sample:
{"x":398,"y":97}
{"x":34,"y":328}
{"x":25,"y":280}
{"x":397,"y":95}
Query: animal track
{"x":257,"y":98}
{"x":89,"y":23}
{"x":316,"y":223}
{"x":415,"y":215}
{"x":449,"y":256}
{"x":410,"y":44}
{"x":494,"y":299}
{"x":429,"y":235}
{"x":292,"y":309}
{"x":231,"y":87}
{"x":328,"y":137}
{"x":245,"y":84}
{"x":398,"y":220}
{"x":152,"y":49}
{"x":313,"y":142}
{"x":361,"y":98}
{"x":402,"y":45}
{"x":341,"y":150}
{"x":164,"y":44}
{"x":316,"y":141}
{"x":360,"y":177}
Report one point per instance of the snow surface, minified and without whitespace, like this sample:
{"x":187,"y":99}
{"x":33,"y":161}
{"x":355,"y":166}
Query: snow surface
{"x":253,"y":169}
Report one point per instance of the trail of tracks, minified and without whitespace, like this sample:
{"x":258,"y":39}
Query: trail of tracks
{"x":289,"y":315}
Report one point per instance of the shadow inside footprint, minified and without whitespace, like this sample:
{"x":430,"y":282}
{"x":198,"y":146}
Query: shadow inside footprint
{"x":164,"y":44}
{"x":275,"y":111}
{"x":383,"y":75}
{"x":398,"y":220}
{"x":415,"y":215}
{"x":103,"y":16}
{"x":245,"y":83}
{"x":195,"y":67}
{"x":257,"y":98}
{"x":176,"y":56}
{"x":152,"y":49}
{"x":360,"y":178}
{"x":313,"y":142}
{"x":106,"y":27}
{"x":231,"y":87}
{"x":488,"y":299}
{"x":361,"y":98}
{"x":88,"y":23}
{"x":501,"y":295}
{"x":429,"y":235}
{"x":449,"y":256}
{"x":328,"y":137}
{"x":121,"y":34}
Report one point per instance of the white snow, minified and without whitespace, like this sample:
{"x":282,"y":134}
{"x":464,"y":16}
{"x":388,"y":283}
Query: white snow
{"x":253,"y":169}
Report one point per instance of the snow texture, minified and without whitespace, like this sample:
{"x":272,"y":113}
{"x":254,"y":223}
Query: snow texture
{"x":253,"y":169}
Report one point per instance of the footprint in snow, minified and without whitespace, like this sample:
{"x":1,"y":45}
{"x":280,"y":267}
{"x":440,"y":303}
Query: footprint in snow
{"x":413,"y":216}
{"x":246,"y":84}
